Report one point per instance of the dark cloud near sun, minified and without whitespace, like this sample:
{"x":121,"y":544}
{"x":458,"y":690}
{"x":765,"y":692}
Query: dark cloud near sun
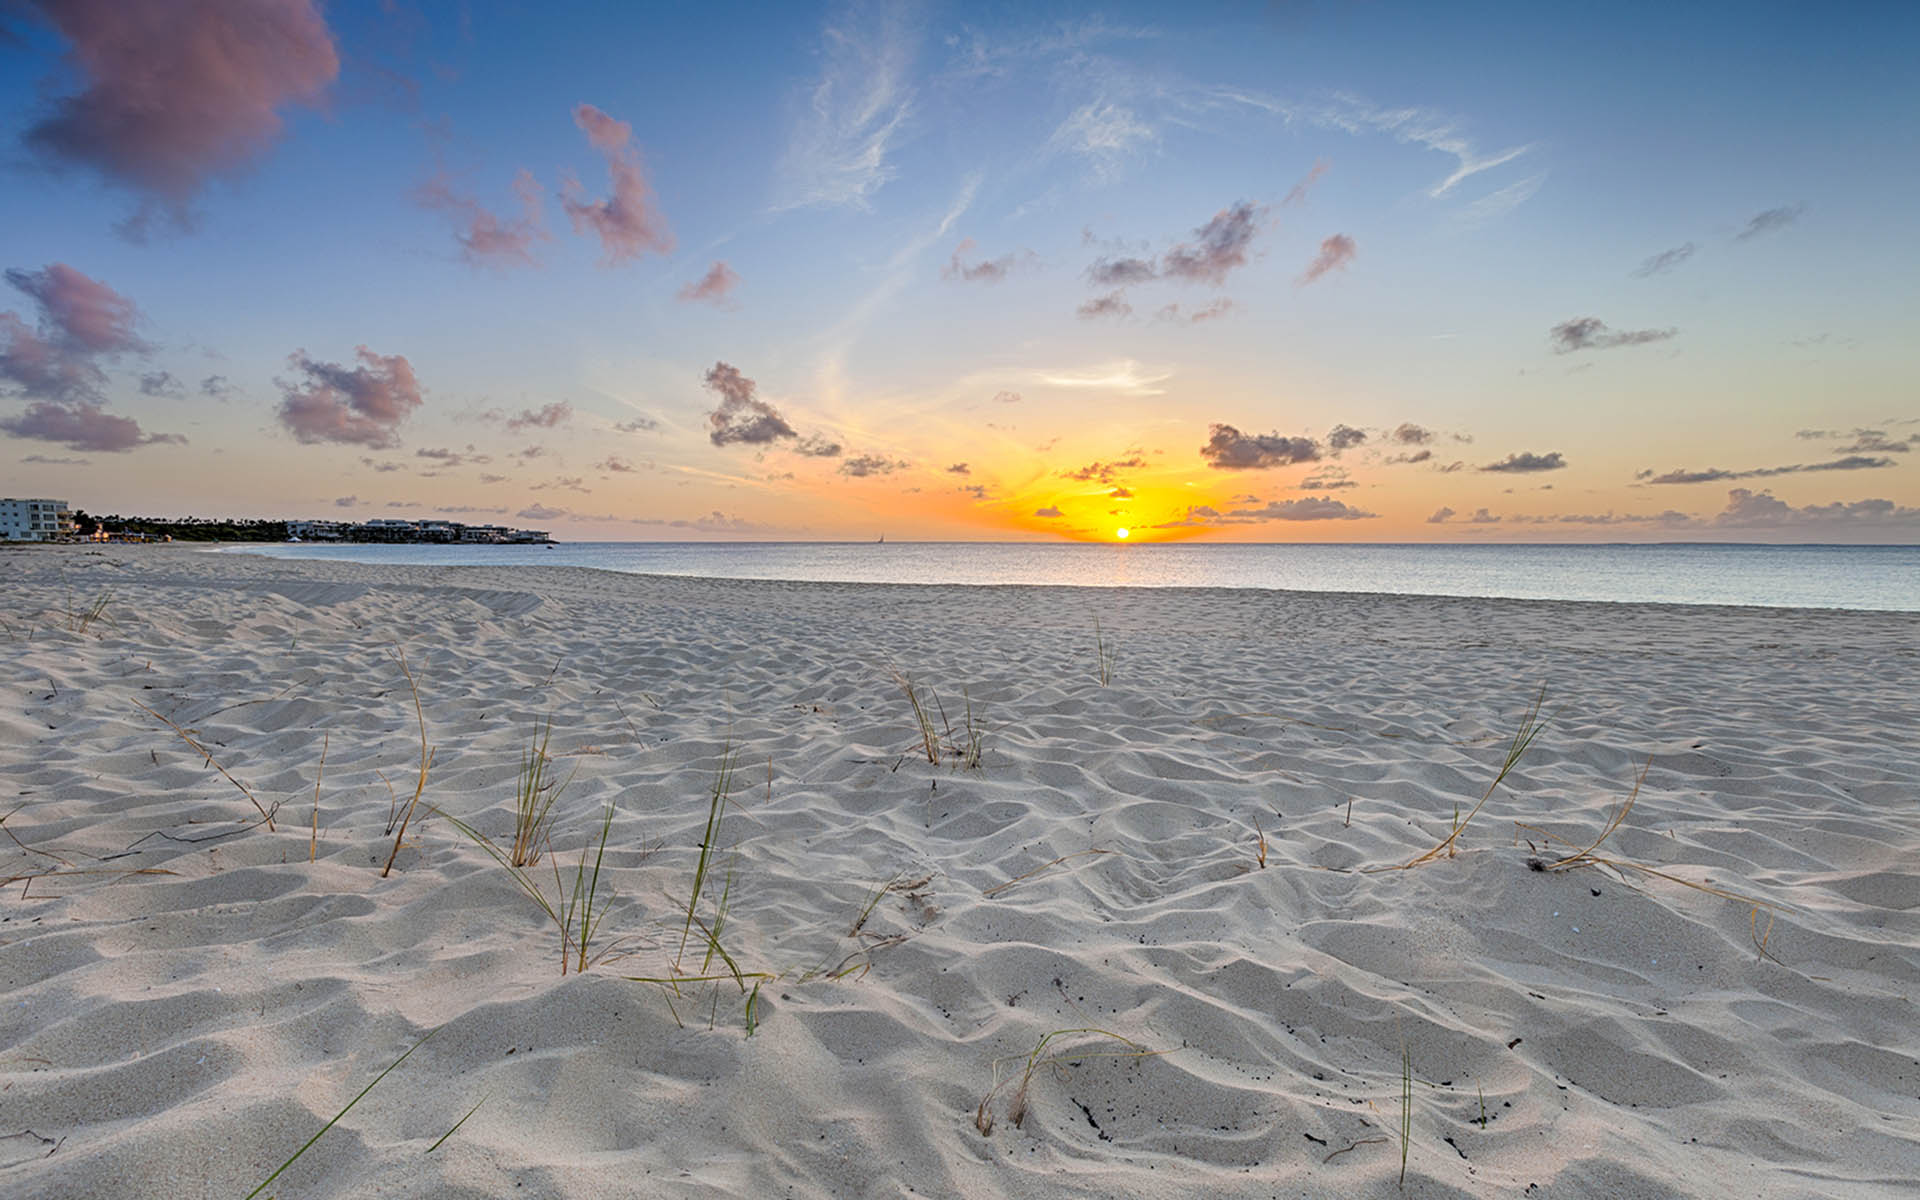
{"x":1104,"y":472}
{"x":861,"y":466}
{"x":1591,"y":333}
{"x":362,"y":405}
{"x":1761,"y":510}
{"x":742,"y":418}
{"x":1853,"y":462}
{"x":1345,"y":437}
{"x":1228,"y":449}
{"x":1527,"y":462}
{"x":818,"y":445}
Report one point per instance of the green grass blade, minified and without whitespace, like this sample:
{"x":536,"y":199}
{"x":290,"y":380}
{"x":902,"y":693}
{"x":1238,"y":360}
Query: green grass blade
{"x":336,"y":1117}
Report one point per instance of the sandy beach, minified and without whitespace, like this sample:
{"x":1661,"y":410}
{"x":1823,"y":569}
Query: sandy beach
{"x":1181,"y":858}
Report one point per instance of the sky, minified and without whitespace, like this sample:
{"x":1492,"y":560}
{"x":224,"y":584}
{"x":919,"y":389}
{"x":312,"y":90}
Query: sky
{"x":1353,"y":272}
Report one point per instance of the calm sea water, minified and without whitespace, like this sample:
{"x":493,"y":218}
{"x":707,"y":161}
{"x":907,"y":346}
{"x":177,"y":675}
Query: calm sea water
{"x":1870,"y":577}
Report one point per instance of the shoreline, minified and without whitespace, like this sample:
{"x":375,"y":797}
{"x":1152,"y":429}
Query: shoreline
{"x":254,"y":549}
{"x":1250,"y":756}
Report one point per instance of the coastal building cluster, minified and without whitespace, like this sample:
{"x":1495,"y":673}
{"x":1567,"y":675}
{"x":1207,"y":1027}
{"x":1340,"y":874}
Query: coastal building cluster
{"x":35,"y":520}
{"x":390,"y":529}
{"x":39,"y":520}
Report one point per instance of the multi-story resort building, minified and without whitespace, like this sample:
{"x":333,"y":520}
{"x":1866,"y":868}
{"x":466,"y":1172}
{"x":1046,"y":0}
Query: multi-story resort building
{"x":34,"y":520}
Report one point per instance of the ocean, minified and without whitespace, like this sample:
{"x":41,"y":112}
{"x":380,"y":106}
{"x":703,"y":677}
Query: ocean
{"x":1855,"y":577}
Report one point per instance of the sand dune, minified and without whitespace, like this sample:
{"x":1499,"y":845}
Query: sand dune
{"x":181,"y":1032}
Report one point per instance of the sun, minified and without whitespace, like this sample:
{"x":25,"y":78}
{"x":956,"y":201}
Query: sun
{"x":1121,"y":533}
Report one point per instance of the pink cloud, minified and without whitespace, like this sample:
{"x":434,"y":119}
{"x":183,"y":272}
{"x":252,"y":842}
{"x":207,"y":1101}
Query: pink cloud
{"x":712,"y":288}
{"x":85,"y":313}
{"x":486,"y":237}
{"x":362,"y":405}
{"x":80,"y":320}
{"x":1335,"y":253}
{"x":178,"y":90}
{"x":82,"y":427}
{"x":627,"y":223}
{"x":1298,"y":194}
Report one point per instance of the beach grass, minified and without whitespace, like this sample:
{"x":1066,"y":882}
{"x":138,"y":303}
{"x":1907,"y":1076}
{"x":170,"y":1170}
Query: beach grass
{"x":295,"y":1156}
{"x":266,"y":813}
{"x":717,"y":797}
{"x":1033,"y":1060}
{"x":1590,"y":856}
{"x":79,"y":620}
{"x":426,"y":764}
{"x":1103,"y":654}
{"x":922,"y":719}
{"x":1531,"y":723}
{"x":537,"y":791}
{"x":575,"y":909}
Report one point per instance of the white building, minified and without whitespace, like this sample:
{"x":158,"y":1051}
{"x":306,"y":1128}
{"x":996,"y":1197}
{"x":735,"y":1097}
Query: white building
{"x":34,"y":520}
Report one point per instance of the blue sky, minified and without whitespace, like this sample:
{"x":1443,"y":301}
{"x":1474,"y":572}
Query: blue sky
{"x":1614,"y":264}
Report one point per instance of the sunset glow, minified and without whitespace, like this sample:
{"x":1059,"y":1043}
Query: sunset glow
{"x":1216,"y":274}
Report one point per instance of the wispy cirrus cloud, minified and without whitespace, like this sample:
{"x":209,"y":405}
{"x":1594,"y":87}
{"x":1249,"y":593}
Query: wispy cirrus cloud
{"x":838,"y":153}
{"x":1125,"y":376}
{"x":1298,"y":193}
{"x":174,"y":92}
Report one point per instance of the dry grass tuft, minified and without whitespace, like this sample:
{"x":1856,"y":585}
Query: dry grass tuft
{"x":1531,"y":723}
{"x":1590,"y":856}
{"x":266,"y":813}
{"x":1032,"y":1061}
